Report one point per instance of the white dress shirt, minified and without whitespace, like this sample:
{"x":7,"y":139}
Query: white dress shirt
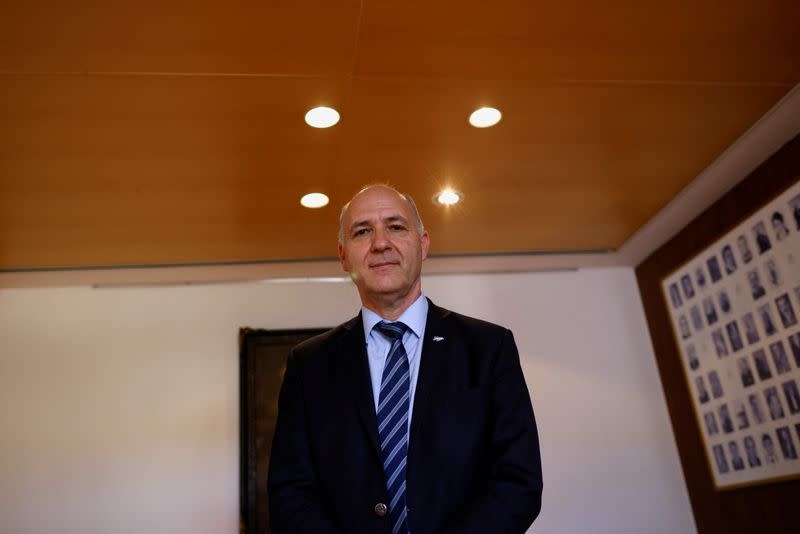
{"x":378,"y":347}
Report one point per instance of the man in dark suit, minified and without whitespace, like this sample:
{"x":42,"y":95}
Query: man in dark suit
{"x":408,"y":418}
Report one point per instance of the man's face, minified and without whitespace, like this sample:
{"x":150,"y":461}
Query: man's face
{"x":742,"y":244}
{"x":774,"y":404}
{"x":381,"y":248}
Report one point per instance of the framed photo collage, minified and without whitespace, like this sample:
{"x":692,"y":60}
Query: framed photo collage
{"x":735,"y":312}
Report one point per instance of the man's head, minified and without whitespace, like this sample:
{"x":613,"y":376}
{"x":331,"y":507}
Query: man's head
{"x":785,"y":307}
{"x":727,"y":258}
{"x":774,"y":403}
{"x":382,"y":244}
{"x":743,"y":367}
{"x":744,"y":249}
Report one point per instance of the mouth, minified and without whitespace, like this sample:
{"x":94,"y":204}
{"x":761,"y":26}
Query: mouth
{"x":383,"y":264}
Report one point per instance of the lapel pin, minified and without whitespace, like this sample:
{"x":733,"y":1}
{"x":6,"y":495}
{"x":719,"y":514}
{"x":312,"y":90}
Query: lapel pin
{"x":438,"y":338}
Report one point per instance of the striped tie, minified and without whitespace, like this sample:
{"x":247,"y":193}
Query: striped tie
{"x":393,"y":423}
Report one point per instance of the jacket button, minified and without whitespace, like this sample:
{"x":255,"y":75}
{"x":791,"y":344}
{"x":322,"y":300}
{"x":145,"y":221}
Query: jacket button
{"x":380,"y":509}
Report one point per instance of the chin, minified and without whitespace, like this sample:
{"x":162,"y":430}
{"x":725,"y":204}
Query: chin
{"x":384,"y":287}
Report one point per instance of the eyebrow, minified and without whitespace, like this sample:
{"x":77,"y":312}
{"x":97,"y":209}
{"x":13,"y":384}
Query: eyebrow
{"x":390,"y":219}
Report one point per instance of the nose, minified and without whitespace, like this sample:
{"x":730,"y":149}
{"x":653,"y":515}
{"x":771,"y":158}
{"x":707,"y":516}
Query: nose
{"x":380,"y":240}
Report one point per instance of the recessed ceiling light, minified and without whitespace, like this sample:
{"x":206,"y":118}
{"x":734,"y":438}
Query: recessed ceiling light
{"x":448,"y":197}
{"x":485,"y":117}
{"x":314,"y":200}
{"x":322,"y":117}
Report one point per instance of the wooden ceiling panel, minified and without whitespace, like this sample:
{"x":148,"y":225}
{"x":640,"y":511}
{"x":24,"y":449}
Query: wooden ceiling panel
{"x":163,"y":133}
{"x":434,"y":113}
{"x":109,"y":170}
{"x":185,"y":166}
{"x":566,"y":150}
{"x":738,"y":41}
{"x":301,"y":38}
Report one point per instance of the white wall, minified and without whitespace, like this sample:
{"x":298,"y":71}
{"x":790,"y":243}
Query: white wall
{"x":119,"y":407}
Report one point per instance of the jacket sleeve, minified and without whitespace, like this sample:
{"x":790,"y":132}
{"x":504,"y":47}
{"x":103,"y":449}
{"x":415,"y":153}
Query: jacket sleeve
{"x":513,"y":495}
{"x":295,"y":505}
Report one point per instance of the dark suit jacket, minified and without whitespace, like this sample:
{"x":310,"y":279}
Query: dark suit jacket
{"x":473,"y":460}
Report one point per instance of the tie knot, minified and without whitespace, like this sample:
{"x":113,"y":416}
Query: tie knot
{"x":393,"y":331}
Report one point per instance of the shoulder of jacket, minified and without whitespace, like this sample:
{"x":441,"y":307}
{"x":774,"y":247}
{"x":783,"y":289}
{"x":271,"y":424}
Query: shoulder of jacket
{"x":323,"y":345}
{"x":318,"y":342}
{"x":474,"y":324}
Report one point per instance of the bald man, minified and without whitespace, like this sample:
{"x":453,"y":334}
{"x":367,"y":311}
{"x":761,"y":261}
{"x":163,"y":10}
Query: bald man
{"x":408,"y":418}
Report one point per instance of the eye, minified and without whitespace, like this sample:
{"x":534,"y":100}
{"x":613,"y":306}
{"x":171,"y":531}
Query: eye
{"x":397,"y":227}
{"x":361,"y":232}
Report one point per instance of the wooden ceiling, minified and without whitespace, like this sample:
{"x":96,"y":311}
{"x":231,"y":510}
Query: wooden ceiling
{"x":143,"y":133}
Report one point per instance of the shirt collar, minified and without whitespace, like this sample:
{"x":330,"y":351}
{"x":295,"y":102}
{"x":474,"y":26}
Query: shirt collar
{"x":414,"y":317}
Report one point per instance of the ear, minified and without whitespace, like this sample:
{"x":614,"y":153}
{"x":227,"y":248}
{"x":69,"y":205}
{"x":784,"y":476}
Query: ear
{"x":425,"y":241}
{"x":343,"y":259}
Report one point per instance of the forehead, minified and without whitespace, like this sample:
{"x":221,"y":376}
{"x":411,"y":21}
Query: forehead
{"x":377,"y":203}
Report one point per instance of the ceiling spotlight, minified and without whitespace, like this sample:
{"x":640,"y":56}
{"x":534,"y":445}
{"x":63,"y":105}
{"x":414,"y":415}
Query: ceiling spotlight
{"x":484,"y":117}
{"x":314,"y":200}
{"x":448,"y":197}
{"x":322,"y":117}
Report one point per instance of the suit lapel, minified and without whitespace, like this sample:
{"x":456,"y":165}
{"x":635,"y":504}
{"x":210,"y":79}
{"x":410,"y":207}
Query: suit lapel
{"x":353,"y":349}
{"x":432,"y":371}
{"x":434,"y":360}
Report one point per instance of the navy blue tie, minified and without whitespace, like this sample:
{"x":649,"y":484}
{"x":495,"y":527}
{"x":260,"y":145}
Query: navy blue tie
{"x":393,"y":423}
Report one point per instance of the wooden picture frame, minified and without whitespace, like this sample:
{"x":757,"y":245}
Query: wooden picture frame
{"x":734,"y":310}
{"x":751,"y":508}
{"x":262,"y":363}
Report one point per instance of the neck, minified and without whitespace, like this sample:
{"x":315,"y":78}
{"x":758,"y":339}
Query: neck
{"x":391,"y":307}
